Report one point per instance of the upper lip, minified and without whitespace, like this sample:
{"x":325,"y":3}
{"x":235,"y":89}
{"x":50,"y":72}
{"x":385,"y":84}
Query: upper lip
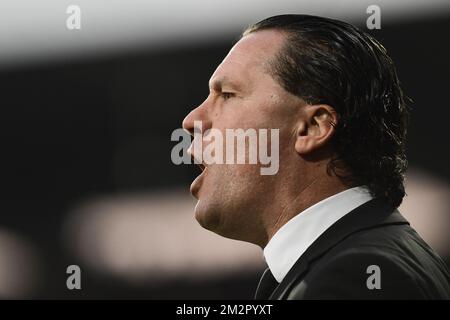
{"x":196,"y":161}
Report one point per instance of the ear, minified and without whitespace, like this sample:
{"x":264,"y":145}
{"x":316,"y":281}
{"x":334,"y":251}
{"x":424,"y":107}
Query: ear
{"x":315,"y":128}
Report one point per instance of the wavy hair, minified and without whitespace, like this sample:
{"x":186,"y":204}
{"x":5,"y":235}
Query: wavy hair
{"x":325,"y":61}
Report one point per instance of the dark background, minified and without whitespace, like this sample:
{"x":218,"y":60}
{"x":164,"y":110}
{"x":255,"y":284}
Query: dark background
{"x":76,"y":128}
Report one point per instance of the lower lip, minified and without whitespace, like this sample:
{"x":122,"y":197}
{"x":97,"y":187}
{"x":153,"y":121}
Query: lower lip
{"x":197,"y":183}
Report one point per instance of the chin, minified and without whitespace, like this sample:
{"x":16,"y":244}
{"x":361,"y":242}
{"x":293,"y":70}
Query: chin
{"x":211,"y":219}
{"x":207,"y":217}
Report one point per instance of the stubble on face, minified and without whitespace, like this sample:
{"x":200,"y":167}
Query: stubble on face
{"x":233,"y":198}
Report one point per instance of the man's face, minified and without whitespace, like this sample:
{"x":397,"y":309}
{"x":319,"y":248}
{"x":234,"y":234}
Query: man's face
{"x":232,"y":198}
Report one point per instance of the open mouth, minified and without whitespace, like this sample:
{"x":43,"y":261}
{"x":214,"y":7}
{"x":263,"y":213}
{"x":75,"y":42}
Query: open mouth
{"x":198,"y":163}
{"x":196,"y":184}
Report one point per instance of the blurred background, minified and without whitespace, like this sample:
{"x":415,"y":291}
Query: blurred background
{"x":87,"y":116}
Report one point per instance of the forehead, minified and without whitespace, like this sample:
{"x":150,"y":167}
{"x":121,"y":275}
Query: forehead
{"x":249,"y":56}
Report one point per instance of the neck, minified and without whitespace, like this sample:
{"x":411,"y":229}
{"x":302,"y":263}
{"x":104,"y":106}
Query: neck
{"x":316,"y":190}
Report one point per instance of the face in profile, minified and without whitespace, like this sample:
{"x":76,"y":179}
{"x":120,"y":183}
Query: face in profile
{"x":233,"y":198}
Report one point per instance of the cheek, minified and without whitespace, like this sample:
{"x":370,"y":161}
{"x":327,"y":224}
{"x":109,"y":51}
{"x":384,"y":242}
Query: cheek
{"x":257,"y":111}
{"x":229,"y":183}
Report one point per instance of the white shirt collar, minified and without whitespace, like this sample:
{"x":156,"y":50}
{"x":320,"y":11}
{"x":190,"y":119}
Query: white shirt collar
{"x":290,"y":242}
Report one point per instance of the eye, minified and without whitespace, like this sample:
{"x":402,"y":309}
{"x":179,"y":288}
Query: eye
{"x":227,"y":95}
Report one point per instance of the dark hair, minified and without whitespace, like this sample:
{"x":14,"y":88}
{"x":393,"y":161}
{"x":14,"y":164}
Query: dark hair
{"x":325,"y":61}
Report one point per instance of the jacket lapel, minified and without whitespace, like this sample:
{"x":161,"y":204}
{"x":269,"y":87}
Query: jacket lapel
{"x":372,"y":214}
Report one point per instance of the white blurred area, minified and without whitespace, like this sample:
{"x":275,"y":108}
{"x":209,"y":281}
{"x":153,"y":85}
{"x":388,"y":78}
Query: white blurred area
{"x":19,"y":266}
{"x":155,"y":237}
{"x":427,"y":208}
{"x":35,"y":31}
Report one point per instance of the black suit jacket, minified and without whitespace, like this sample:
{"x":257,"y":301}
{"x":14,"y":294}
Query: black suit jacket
{"x":336,"y":265}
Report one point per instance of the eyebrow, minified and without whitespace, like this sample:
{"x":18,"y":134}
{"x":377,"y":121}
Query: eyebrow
{"x":218,"y":83}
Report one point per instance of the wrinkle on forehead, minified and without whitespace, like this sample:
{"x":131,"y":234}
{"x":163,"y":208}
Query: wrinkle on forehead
{"x":250,"y":56}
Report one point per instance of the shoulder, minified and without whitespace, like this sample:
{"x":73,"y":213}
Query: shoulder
{"x":358,"y":274}
{"x":384,"y":263}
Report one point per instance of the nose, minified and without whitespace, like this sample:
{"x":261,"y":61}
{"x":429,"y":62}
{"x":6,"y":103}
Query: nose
{"x":188,"y":122}
{"x":198,"y":114}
